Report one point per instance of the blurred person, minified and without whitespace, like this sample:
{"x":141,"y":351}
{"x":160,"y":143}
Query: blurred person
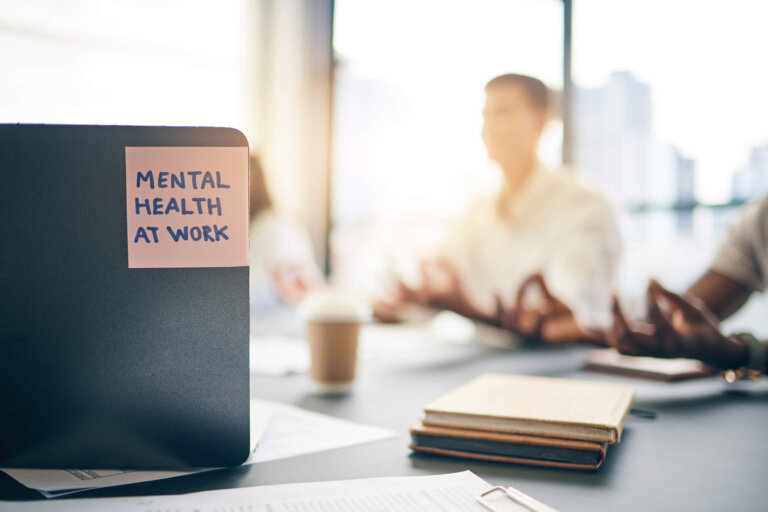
{"x":541,"y":220}
{"x":542,"y":223}
{"x":688,"y":325}
{"x":283,"y":267}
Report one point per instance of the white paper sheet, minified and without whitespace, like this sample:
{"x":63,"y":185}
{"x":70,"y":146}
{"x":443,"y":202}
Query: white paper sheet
{"x":291,"y":431}
{"x":295,"y":431}
{"x":441,"y":493}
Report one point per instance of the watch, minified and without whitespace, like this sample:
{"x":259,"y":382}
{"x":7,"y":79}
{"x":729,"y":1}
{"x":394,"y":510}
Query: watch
{"x":755,"y":366}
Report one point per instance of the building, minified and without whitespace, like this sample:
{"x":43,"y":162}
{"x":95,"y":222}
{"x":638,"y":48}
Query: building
{"x":752,"y":180}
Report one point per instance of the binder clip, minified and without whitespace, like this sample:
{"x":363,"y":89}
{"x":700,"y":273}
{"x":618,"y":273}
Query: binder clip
{"x":515,"y":496}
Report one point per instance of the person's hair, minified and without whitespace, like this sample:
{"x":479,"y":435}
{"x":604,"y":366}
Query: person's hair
{"x":260,"y":199}
{"x":536,"y":91}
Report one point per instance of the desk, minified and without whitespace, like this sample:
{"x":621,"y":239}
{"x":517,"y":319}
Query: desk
{"x":705,"y":450}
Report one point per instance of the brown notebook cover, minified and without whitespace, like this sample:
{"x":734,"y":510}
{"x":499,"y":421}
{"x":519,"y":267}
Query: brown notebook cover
{"x":535,"y":406}
{"x":510,"y":448}
{"x":610,"y":361}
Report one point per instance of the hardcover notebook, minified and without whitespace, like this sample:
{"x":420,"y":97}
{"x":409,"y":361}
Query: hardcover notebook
{"x":513,"y":448}
{"x":610,"y":361}
{"x":124,"y":305}
{"x":539,"y":406}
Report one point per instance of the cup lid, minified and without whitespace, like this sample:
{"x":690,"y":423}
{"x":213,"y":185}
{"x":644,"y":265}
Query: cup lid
{"x":335,"y":306}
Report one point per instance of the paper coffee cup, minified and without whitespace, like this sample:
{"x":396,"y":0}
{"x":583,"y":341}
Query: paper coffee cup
{"x":333,"y":320}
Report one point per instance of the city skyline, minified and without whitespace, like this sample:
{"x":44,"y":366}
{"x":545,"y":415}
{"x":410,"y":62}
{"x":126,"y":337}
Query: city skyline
{"x":614,"y":130}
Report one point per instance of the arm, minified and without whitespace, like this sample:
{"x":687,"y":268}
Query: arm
{"x":739,"y":265}
{"x":738,"y":268}
{"x":721,"y":294}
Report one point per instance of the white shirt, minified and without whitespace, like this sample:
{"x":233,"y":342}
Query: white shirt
{"x":743,"y":256}
{"x":554,"y":224}
{"x":275,"y":240}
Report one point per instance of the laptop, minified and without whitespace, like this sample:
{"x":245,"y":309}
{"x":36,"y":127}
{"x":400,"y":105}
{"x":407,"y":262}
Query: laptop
{"x":123,"y":297}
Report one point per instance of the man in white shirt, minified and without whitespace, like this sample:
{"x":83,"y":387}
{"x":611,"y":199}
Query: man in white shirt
{"x":689,"y":325}
{"x":542,"y":222}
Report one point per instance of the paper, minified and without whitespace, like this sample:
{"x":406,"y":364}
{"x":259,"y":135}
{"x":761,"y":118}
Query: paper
{"x":52,"y":483}
{"x":295,"y":431}
{"x":187,"y":206}
{"x":291,"y":431}
{"x":441,"y":493}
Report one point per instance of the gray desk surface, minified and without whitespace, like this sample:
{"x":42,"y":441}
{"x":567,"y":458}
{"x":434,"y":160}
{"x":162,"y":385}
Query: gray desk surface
{"x":705,"y":450}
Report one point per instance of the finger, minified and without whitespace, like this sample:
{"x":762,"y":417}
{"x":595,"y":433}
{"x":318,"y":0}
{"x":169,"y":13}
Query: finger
{"x":681,"y":302}
{"x":538,"y":326}
{"x":528,"y":322}
{"x":499,"y":310}
{"x":404,"y":291}
{"x":668,"y":336}
{"x":386,"y":312}
{"x":426,"y":278}
{"x":417,"y":294}
{"x":619,"y":336}
{"x":449,"y":276}
{"x":595,"y":336}
{"x":559,"y":332}
{"x":634,"y":340}
{"x":446,"y":267}
{"x":618,"y":313}
{"x":692,"y":307}
{"x":562,"y":331}
{"x":523,"y":289}
{"x":538,"y":278}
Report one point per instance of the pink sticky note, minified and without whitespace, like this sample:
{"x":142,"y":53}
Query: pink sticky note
{"x":187,"y":206}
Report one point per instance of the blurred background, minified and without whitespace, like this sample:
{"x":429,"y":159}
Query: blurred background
{"x":367,"y":114}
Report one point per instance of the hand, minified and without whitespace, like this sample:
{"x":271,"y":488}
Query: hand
{"x":291,"y":282}
{"x":550,"y":319}
{"x":636,"y":340}
{"x":387,"y":312}
{"x":441,"y":287}
{"x":678,"y":327}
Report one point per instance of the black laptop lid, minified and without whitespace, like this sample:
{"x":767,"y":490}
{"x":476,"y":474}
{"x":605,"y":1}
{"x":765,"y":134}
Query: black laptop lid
{"x":102,"y":365}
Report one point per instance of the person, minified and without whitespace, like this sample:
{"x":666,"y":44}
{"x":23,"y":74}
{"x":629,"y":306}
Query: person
{"x":283,"y":267}
{"x":688,"y":325}
{"x":541,"y":223}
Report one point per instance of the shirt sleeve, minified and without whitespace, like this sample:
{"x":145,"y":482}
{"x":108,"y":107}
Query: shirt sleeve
{"x":454,"y":247}
{"x":743,"y":255}
{"x":459,"y":247}
{"x":584,"y":269}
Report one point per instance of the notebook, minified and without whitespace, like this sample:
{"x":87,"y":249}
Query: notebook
{"x":511,"y":448}
{"x":541,"y":406}
{"x":610,"y":361}
{"x":114,"y":354}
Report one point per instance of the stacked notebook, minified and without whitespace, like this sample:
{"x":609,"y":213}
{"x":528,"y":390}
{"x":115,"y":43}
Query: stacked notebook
{"x":526,"y":420}
{"x":608,"y":360}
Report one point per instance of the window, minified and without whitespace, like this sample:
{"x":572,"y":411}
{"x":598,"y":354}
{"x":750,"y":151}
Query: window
{"x":407,"y":154}
{"x":168,"y":62}
{"x":260,"y":66}
{"x":668,"y":117}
